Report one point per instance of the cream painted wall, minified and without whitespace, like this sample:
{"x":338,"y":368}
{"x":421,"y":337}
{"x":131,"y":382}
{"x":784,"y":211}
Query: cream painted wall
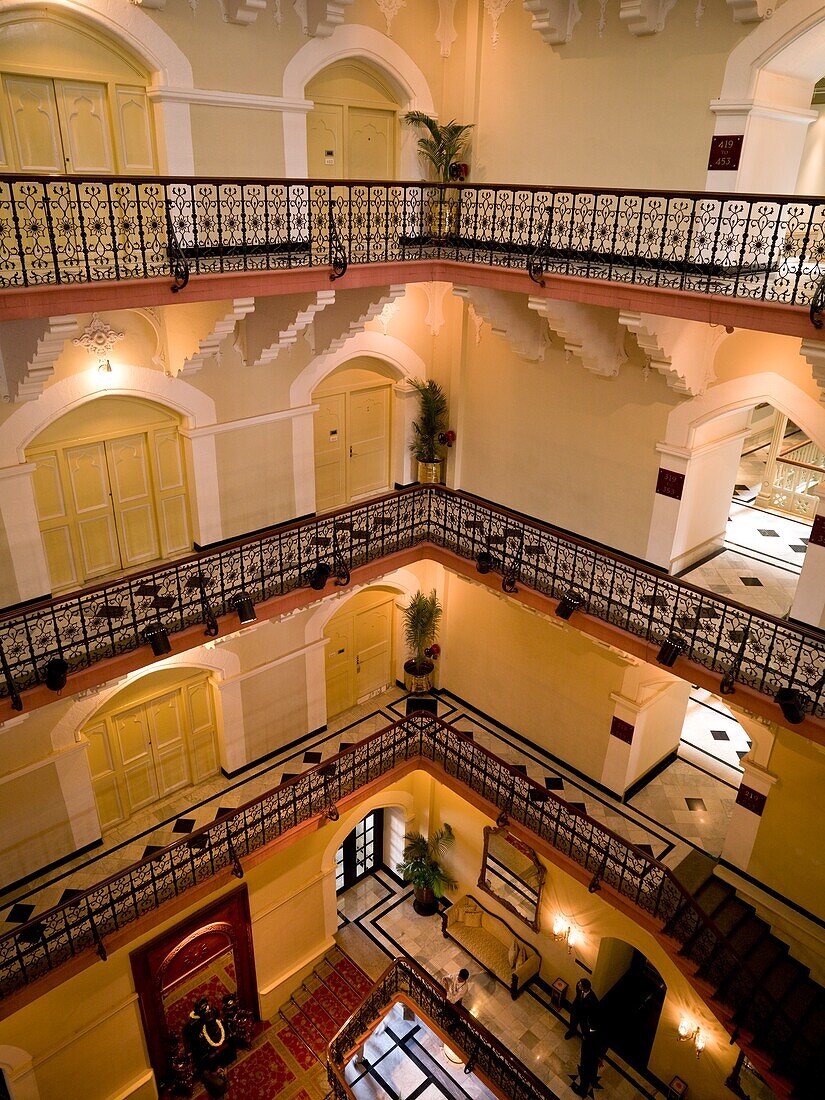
{"x":236,"y":142}
{"x":256,"y":481}
{"x":549,"y":683}
{"x":29,"y":840}
{"x":555,"y":441}
{"x":786,"y":856}
{"x":811,"y":180}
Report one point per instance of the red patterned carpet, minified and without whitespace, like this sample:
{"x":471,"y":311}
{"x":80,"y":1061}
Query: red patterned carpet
{"x":288,"y":1056}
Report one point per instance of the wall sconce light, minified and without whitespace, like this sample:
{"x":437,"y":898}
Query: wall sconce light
{"x":56,"y":671}
{"x":319,"y":576}
{"x":104,"y":366}
{"x":158,"y":638}
{"x":671,"y":648}
{"x":245,"y":608}
{"x":571,"y":601}
{"x":566,"y":932}
{"x":690,"y":1032}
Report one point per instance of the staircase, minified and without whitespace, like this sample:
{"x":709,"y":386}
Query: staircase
{"x":773,"y":1007}
{"x":323,"y":1002}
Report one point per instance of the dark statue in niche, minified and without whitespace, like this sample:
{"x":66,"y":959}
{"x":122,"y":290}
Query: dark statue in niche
{"x":211,"y":1046}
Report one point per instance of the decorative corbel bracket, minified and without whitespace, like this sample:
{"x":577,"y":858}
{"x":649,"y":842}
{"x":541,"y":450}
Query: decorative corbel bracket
{"x":243,"y":12}
{"x":642,"y":17}
{"x":554,"y":19}
{"x":319,"y":18}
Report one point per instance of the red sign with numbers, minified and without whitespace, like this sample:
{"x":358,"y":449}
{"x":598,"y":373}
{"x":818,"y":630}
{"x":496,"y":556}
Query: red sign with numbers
{"x":725,"y":152}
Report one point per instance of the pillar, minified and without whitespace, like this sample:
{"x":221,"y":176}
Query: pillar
{"x":303,"y":460}
{"x":747,"y":813}
{"x":405,"y":407}
{"x":202,"y":474}
{"x":809,"y":600}
{"x":29,"y":577}
{"x":765,"y":495}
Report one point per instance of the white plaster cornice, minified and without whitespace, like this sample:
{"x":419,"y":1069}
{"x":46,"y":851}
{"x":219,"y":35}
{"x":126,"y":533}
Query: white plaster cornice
{"x":746,"y":107}
{"x":165,"y":93}
{"x":248,"y":422}
{"x":704,"y":448}
{"x":293,"y":655}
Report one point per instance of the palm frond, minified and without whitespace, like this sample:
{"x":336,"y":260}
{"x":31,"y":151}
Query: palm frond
{"x":420,"y":864}
{"x":446,"y":143}
{"x":422,"y":619}
{"x":433,"y":419}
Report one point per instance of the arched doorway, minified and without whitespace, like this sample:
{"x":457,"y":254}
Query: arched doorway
{"x":632,"y":993}
{"x":154,"y":737}
{"x":110,"y":489}
{"x":72,"y":99}
{"x":359,"y":654}
{"x":352,"y":433}
{"x":353,"y":128}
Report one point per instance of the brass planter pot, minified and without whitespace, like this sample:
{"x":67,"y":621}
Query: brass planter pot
{"x":429,"y":473}
{"x":418,"y":676}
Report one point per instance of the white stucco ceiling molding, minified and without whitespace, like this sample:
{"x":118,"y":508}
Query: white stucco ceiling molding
{"x":814,"y":352}
{"x":682,"y":351}
{"x":445,"y":32}
{"x":210,"y":344}
{"x":589,"y":333}
{"x":319,"y":18}
{"x":643,"y":17}
{"x":509,"y":317}
{"x":29,"y":350}
{"x":554,"y":20}
{"x":751,"y":11}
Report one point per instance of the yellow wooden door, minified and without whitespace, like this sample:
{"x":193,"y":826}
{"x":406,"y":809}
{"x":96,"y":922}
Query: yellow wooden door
{"x":340,"y":666}
{"x":170,"y":492}
{"x":203,"y":739}
{"x":134,"y":509}
{"x":88,"y":477}
{"x":34,"y":124}
{"x":325,"y":128}
{"x":85,"y":126}
{"x":370,"y":143}
{"x":368,"y":440}
{"x":55,"y":521}
{"x":104,"y":775}
{"x":133,"y":748}
{"x":168,"y":739}
{"x":373,"y":649}
{"x":330,"y":450}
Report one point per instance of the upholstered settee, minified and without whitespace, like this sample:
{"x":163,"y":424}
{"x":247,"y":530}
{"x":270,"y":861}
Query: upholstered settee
{"x":491,"y":942}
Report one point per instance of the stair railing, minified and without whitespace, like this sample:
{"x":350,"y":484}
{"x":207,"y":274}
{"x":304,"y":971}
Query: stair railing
{"x":405,"y":982}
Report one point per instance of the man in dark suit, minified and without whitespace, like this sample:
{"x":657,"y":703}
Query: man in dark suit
{"x":584,"y":1009}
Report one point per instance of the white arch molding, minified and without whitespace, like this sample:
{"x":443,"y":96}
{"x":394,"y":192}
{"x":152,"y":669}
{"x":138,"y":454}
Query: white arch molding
{"x":167,"y":64}
{"x":364,"y":43}
{"x":402,"y":361}
{"x":766,"y":96}
{"x":18,"y":511}
{"x":19,"y":1071}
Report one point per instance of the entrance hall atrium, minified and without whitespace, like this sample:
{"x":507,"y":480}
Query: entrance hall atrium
{"x":412,"y":549}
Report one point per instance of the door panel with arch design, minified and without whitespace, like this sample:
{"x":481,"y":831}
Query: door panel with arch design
{"x":352,"y":445}
{"x":96,"y":535}
{"x":140,"y":752}
{"x":128,"y":464}
{"x":359,"y":650}
{"x":85,"y":126}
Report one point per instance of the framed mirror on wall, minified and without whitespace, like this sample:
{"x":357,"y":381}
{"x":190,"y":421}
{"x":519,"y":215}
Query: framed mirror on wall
{"x":512,"y":873}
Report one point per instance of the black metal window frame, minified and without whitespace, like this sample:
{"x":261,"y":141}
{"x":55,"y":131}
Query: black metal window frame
{"x":111,"y":619}
{"x":365,"y":840}
{"x":66,"y":229}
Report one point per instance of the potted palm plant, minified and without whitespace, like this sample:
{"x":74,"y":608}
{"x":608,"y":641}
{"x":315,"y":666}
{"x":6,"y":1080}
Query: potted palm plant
{"x":422,"y":868}
{"x":433,"y":418}
{"x":442,"y":146}
{"x":421,"y":622}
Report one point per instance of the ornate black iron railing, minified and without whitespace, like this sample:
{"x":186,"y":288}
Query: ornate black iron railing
{"x":54,"y":938}
{"x":113,"y":618}
{"x":73,"y":229}
{"x":406,"y":982}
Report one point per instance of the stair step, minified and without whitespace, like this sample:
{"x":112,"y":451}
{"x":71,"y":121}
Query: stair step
{"x":712,"y":895}
{"x":731,"y":914}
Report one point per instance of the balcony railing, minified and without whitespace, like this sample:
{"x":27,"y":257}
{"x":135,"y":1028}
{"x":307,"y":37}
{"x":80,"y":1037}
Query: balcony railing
{"x":58,"y":230}
{"x":406,"y":982}
{"x":54,"y":938}
{"x":113,"y":618}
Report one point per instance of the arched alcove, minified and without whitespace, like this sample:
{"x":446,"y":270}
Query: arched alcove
{"x":632,"y":992}
{"x":142,"y":38}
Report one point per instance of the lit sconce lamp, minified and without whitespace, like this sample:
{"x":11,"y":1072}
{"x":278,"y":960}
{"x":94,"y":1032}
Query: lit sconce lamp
{"x":671,"y":648}
{"x":690,"y":1032}
{"x":563,"y":930}
{"x":104,"y":366}
{"x":244,"y":607}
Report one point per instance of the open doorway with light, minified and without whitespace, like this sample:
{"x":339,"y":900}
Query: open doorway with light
{"x":770,"y":515}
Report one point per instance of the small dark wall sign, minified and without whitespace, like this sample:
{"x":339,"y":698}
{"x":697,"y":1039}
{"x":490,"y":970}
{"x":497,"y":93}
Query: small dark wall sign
{"x":725,"y":151}
{"x":752,"y":800}
{"x":818,"y":532}
{"x":621,"y":729}
{"x":670,"y":484}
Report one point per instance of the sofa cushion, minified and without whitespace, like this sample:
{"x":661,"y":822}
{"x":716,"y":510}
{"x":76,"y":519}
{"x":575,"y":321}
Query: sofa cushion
{"x":512,"y":954}
{"x":489,"y":951}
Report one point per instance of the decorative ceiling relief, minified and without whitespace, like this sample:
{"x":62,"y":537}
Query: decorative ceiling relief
{"x":389,"y":9}
{"x":98,"y":338}
{"x":642,"y":17}
{"x":495,"y":9}
{"x":319,"y":18}
{"x":445,"y":32}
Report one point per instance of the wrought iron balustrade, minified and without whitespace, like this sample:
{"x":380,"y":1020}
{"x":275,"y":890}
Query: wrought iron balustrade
{"x":58,"y":230}
{"x":54,"y":938}
{"x":111,"y":619}
{"x":406,"y":982}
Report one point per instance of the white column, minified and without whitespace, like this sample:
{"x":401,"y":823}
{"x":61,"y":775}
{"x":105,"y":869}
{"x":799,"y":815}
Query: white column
{"x":231,"y":734}
{"x":173,"y":127}
{"x":771,"y":152}
{"x":809,"y":601}
{"x":316,"y":685}
{"x":72,"y":769}
{"x":18,"y":513}
{"x":765,"y":494}
{"x":405,"y":407}
{"x":295,"y":142}
{"x":303,"y":461}
{"x":747,"y":814}
{"x":204,"y":499}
